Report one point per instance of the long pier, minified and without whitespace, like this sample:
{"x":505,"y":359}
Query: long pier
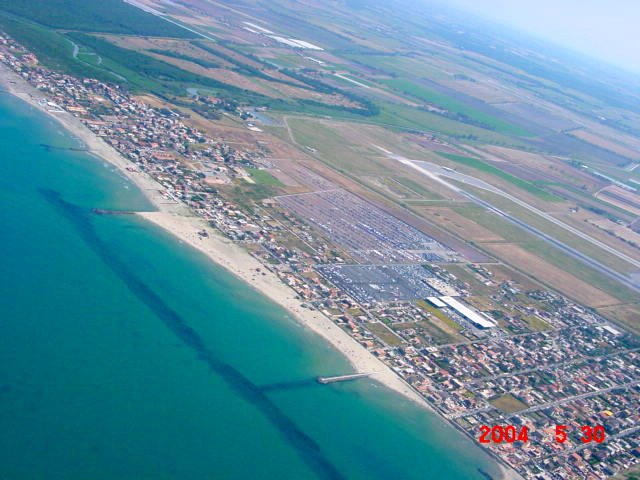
{"x":343,"y":378}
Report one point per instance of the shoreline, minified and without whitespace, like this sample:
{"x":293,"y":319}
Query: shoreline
{"x":179,"y":221}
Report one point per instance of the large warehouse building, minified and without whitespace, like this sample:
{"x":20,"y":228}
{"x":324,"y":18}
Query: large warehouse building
{"x":478,"y":319}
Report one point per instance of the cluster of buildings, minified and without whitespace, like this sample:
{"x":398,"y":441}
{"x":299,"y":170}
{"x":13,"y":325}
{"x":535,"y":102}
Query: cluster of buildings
{"x":181,"y":158}
{"x":525,"y":358}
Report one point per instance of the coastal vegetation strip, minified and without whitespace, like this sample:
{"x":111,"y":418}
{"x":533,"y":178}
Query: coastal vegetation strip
{"x":114,"y":16}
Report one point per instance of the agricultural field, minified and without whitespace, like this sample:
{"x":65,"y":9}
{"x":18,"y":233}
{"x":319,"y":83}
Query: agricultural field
{"x":454,"y":107}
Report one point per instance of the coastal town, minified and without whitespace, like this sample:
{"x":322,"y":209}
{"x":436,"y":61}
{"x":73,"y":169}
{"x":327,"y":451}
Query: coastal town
{"x":480,"y":347}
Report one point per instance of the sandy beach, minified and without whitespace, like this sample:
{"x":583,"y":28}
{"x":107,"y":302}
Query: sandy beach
{"x":178,"y":220}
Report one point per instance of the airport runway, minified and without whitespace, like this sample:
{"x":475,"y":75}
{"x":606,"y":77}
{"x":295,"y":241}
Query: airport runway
{"x":436,"y":172}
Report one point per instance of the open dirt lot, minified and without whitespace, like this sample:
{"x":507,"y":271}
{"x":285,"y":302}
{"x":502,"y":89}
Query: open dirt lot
{"x":503,"y":273}
{"x":551,"y":275}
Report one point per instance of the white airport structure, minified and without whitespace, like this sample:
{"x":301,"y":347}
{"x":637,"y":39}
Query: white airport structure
{"x":436,"y":302}
{"x":477,"y":318}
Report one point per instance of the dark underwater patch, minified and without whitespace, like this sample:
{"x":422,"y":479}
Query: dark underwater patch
{"x":306,"y":447}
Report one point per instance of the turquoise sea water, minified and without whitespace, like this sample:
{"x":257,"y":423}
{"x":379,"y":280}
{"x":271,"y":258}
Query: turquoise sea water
{"x":125,"y":355}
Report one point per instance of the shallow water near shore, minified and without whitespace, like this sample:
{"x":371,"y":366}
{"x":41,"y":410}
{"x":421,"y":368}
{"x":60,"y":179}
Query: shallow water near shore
{"x":126,"y":355}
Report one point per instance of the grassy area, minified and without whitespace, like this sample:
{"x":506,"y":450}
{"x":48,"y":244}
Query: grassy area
{"x":605,"y":209}
{"x":381,"y":331}
{"x":462,"y":273}
{"x":626,"y":315}
{"x":341,"y":153}
{"x":459,"y":110}
{"x":514,"y":234}
{"x":439,"y":314}
{"x":493,"y":222}
{"x":406,"y":117}
{"x":89,"y":58}
{"x":188,"y":58}
{"x":554,"y":256}
{"x":438,"y":335}
{"x":262,"y":177}
{"x":391,"y":64}
{"x":536,"y":324}
{"x":508,"y":403}
{"x":51,"y":48}
{"x":632,"y":474}
{"x":580,"y":270}
{"x":149,"y":71}
{"x":417,"y":188}
{"x":515,"y":181}
{"x":240,"y":66}
{"x":142,"y":73}
{"x":55,"y":50}
{"x":557,"y":232}
{"x":245,"y":195}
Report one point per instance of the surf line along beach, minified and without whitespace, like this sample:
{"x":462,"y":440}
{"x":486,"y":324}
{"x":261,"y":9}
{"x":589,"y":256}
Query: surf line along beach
{"x":178,"y":220}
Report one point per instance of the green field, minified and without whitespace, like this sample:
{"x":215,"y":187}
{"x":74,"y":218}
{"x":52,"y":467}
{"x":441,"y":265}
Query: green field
{"x":384,"y":334}
{"x":632,"y":474}
{"x":188,"y":58}
{"x":580,"y":270}
{"x":514,"y":234}
{"x":462,"y":273}
{"x":536,"y":324}
{"x":417,"y":188}
{"x":55,"y":50}
{"x":406,"y":117}
{"x":459,"y":109}
{"x":556,"y":231}
{"x":262,"y":177}
{"x":143,"y":73}
{"x":507,"y":230}
{"x":439,"y":314}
